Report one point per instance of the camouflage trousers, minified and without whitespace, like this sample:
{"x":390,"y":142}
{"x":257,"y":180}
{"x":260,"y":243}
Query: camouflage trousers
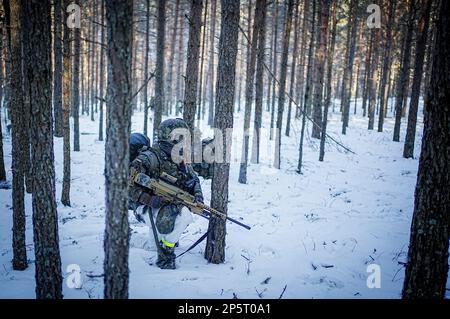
{"x":171,"y":221}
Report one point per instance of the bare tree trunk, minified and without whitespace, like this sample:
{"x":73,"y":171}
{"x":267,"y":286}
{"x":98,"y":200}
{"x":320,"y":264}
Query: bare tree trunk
{"x":37,"y":67}
{"x":169,"y":97}
{"x":57,"y":73}
{"x":259,"y":86}
{"x":18,"y":139}
{"x":367,"y":68}
{"x":202,"y":59}
{"x":180,"y":68}
{"x":348,"y":70}
{"x":274,"y":69}
{"x":118,"y":103}
{"x":386,"y":65}
{"x":190,"y":88}
{"x":293,"y":65}
{"x":147,"y":53}
{"x":65,"y":196}
{"x":249,"y":83}
{"x":404,"y":72}
{"x":2,"y":161}
{"x":373,"y":79}
{"x":102,"y":71}
{"x":76,"y":89}
{"x":91,"y":73}
{"x":301,"y":67}
{"x":282,"y":87}
{"x":427,"y":267}
{"x":408,"y":150}
{"x":211,"y":63}
{"x":159,"y":71}
{"x":307,"y":99}
{"x":329,"y":57}
{"x":223,"y":120}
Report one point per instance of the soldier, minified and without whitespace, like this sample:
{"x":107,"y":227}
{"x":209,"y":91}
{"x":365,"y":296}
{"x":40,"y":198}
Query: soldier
{"x":171,"y":219}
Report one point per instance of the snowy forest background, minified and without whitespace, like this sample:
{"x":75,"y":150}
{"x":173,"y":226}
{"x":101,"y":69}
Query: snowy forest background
{"x":326,"y":101}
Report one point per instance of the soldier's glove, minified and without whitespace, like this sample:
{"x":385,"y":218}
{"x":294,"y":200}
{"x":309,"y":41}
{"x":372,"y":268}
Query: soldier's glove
{"x":152,"y":201}
{"x":199,"y":199}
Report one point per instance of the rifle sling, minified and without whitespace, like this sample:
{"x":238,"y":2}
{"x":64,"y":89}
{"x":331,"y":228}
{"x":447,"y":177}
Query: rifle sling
{"x":194,"y":244}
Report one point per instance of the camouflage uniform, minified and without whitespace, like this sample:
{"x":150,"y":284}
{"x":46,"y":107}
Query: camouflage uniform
{"x":152,"y":161}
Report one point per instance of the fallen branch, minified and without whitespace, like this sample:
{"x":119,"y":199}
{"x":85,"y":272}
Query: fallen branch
{"x":282,"y":293}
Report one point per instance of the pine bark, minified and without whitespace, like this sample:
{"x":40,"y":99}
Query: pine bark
{"x":223,"y":120}
{"x":348,"y":70}
{"x":386,"y":66}
{"x":192,"y":67}
{"x":293,"y":66}
{"x":65,"y":196}
{"x":249,"y":84}
{"x":282,"y":85}
{"x":118,"y":103}
{"x":169,"y":95}
{"x":146,"y":58}
{"x":57,"y":73}
{"x":102,"y":71}
{"x":274,"y":68}
{"x":404,"y":71}
{"x":159,"y":70}
{"x":427,"y":266}
{"x":211,"y":63}
{"x":408,"y":150}
{"x":45,"y":221}
{"x":329,"y":57}
{"x":18,"y":139}
{"x":2,"y":161}
{"x":372,"y":85}
{"x":259,"y":85}
{"x":76,"y":88}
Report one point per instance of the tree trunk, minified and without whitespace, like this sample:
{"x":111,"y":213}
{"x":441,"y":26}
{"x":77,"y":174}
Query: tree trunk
{"x":307,"y":99}
{"x":65,"y":196}
{"x":293,"y":65}
{"x":57,"y":72}
{"x":282,"y":85}
{"x":386,"y":65}
{"x":300,"y":83}
{"x":427,"y":267}
{"x":249,"y":83}
{"x":408,"y":150}
{"x":180,"y":67}
{"x":274,"y":69}
{"x":367,"y":68}
{"x":191,"y":79}
{"x":311,"y":60}
{"x":18,"y":139}
{"x":404,"y":71}
{"x":210,"y":76}
{"x":76,"y":88}
{"x":329,"y":57}
{"x":37,"y":67}
{"x":169,"y":97}
{"x":2,"y":161}
{"x":321,"y":56}
{"x":146,"y":56}
{"x":202,"y":59}
{"x":223,"y":120}
{"x":118,"y":103}
{"x":259,"y":86}
{"x":102,"y":71}
{"x":348,"y":70}
{"x":373,"y":79}
{"x":159,"y":70}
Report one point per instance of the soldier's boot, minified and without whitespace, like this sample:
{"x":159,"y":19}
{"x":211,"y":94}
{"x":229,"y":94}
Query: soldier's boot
{"x":166,"y":257}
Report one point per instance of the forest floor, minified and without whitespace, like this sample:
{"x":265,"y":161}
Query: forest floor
{"x":313,"y":235}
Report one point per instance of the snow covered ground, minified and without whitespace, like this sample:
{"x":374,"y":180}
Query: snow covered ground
{"x":314,"y":234}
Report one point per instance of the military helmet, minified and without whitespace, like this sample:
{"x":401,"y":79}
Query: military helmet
{"x":137,"y":142}
{"x":166,"y":127}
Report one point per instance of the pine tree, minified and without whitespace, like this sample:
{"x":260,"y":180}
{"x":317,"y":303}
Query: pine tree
{"x":223,"y":120}
{"x":118,"y":103}
{"x":37,"y":67}
{"x":427,"y":266}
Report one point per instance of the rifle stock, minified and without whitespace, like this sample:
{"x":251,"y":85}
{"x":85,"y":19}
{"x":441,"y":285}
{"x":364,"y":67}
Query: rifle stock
{"x":176,"y":195}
